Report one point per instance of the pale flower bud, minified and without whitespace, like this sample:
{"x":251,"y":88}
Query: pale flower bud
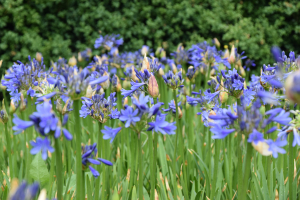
{"x":145,"y":64}
{"x":161,"y":72}
{"x":223,"y":97}
{"x":153,"y":87}
{"x":144,"y":50}
{"x":38,"y":56}
{"x":217,"y":43}
{"x":79,"y":57}
{"x":22,"y":103}
{"x":12,"y":108}
{"x":231,"y":58}
{"x":72,"y":61}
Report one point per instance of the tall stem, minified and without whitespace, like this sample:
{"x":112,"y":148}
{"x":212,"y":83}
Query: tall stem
{"x":243,"y":193}
{"x":152,"y":164}
{"x":291,"y":166}
{"x":240,"y":159}
{"x":175,"y":150}
{"x":97,"y":187}
{"x":78,"y":150}
{"x":153,"y":176}
{"x":141,"y":177}
{"x":59,"y":169}
{"x":104,"y":180}
{"x":216,"y":164}
{"x":8,"y":143}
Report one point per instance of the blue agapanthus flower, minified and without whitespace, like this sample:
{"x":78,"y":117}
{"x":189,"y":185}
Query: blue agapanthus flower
{"x":88,"y":157}
{"x":100,"y":108}
{"x":162,"y":126}
{"x":43,"y":145}
{"x":110,"y":133}
{"x":46,"y":123}
{"x":129,"y":116}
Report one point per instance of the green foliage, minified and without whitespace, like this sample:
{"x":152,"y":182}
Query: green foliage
{"x":59,"y":28}
{"x":38,"y":170}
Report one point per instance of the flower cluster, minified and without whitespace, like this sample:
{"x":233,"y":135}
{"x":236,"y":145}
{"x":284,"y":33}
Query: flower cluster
{"x":47,"y":124}
{"x":100,"y":108}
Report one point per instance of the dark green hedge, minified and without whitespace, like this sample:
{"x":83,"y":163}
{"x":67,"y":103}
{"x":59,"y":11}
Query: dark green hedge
{"x":60,"y":28}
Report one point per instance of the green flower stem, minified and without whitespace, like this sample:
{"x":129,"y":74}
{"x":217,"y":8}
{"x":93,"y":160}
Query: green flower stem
{"x":78,"y":150}
{"x":216,"y":164}
{"x":8,"y":144}
{"x":240,"y":159}
{"x":141,"y":177}
{"x":291,"y":166}
{"x":152,"y":164}
{"x":59,"y":169}
{"x":133,"y":158}
{"x":175,"y":146}
{"x":52,"y":166}
{"x":99,"y":144}
{"x":243,"y":193}
{"x":83,"y":185}
{"x":104,"y":151}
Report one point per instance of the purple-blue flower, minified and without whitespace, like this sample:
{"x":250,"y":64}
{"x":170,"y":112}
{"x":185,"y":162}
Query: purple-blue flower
{"x":88,"y":157}
{"x":110,"y":133}
{"x":256,"y":137}
{"x":162,"y":126}
{"x":129,"y":116}
{"x":42,"y":145}
{"x":275,"y":147}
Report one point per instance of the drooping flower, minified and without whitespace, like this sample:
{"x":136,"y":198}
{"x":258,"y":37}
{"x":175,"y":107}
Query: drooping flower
{"x":89,"y":153}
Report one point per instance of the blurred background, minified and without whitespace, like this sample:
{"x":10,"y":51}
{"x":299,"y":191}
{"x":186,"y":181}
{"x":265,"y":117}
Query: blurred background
{"x":62,"y":28}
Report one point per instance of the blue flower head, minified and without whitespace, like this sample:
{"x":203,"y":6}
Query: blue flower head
{"x":129,"y":116}
{"x":100,"y":108}
{"x":43,"y":145}
{"x":173,"y":80}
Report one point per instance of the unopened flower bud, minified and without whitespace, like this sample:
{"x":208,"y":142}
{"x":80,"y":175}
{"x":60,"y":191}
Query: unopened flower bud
{"x":144,"y":50}
{"x":217,"y":43}
{"x":1,"y":61}
{"x":89,"y":92}
{"x":223,"y":97}
{"x":22,"y":103}
{"x":161,"y":72}
{"x":180,"y":114}
{"x":3,"y":114}
{"x":190,"y":72}
{"x":231,"y":58}
{"x":145,"y":64}
{"x":38,"y":56}
{"x":12,"y":108}
{"x":79,"y":57}
{"x":72,"y":61}
{"x":153,"y":87}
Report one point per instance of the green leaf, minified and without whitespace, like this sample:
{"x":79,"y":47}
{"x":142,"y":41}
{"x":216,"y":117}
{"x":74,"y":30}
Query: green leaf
{"x":38,"y":170}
